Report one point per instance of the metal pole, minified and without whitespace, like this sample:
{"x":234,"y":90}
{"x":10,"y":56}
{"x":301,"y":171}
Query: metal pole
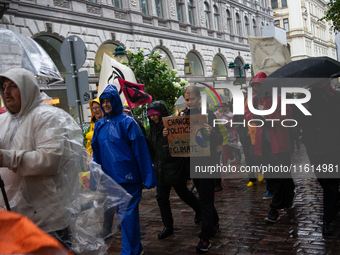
{"x":75,"y":80}
{"x":2,"y":186}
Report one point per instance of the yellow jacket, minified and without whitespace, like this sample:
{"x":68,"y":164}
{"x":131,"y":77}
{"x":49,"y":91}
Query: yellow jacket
{"x":89,"y":135}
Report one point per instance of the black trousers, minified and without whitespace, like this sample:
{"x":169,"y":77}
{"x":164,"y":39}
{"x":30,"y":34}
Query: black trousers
{"x":330,"y":186}
{"x":163,"y":194}
{"x":206,"y":190}
{"x":282,"y":187}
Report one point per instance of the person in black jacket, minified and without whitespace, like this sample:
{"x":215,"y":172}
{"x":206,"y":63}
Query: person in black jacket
{"x":321,"y":136}
{"x":169,"y":171}
{"x":205,"y":186}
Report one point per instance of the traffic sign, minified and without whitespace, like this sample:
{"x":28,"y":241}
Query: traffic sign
{"x":79,"y":50}
{"x":83,"y":86}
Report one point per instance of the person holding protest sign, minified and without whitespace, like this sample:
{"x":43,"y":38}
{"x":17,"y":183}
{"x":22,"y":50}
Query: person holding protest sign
{"x":170,"y":171}
{"x":205,"y":186}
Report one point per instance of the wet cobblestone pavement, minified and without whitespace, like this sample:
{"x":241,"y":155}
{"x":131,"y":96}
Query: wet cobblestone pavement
{"x":243,"y":229}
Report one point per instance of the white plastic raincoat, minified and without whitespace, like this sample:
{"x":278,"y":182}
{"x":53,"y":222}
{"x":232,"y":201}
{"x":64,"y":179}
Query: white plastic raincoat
{"x":40,"y":148}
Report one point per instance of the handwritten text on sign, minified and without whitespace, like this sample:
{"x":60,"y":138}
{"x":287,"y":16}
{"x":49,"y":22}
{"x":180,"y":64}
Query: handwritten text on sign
{"x":187,"y":136}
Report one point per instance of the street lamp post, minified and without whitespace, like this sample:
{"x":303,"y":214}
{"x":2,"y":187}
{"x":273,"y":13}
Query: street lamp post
{"x":120,"y":52}
{"x":233,"y":66}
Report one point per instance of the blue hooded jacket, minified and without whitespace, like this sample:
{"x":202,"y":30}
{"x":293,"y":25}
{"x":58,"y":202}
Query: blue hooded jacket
{"x":119,"y":145}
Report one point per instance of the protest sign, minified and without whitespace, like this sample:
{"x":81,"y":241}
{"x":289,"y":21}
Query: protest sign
{"x":187,"y":136}
{"x":268,"y":54}
{"x":110,"y":71}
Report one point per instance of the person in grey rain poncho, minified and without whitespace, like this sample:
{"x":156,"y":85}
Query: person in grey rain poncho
{"x":40,"y":158}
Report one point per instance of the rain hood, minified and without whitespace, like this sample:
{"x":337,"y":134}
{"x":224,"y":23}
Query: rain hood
{"x":29,"y":91}
{"x":119,"y":145}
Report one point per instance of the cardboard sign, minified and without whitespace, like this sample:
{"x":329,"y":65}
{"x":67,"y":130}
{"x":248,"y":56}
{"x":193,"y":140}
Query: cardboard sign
{"x":187,"y":136}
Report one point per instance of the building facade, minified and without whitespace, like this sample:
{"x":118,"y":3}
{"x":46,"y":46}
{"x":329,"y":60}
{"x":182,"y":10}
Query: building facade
{"x":199,"y":38}
{"x":307,"y":36}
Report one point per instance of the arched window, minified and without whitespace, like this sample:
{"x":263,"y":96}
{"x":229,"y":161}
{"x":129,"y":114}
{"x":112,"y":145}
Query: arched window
{"x":254,"y":27}
{"x":206,"y":11}
{"x":59,"y":96}
{"x":218,"y":67}
{"x":52,"y":47}
{"x":215,"y":17}
{"x":191,"y":8}
{"x":179,"y":10}
{"x":192,"y":65}
{"x":229,"y":22}
{"x":238,"y":62}
{"x":117,"y":3}
{"x":109,"y":49}
{"x":165,"y":57}
{"x":246,"y":31}
{"x":143,"y":4}
{"x":238,"y":25}
{"x":159,"y":9}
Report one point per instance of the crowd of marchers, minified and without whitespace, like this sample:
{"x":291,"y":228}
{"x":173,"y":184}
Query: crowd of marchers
{"x":32,"y":153}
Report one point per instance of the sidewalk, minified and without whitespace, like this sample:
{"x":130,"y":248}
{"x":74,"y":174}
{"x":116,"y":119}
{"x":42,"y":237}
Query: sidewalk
{"x":243,"y":229}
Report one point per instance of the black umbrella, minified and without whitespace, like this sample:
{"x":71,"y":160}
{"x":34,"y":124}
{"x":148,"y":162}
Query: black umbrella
{"x":301,"y":73}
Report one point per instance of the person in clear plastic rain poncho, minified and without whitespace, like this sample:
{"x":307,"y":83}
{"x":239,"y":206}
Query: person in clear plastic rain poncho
{"x":119,"y":145}
{"x":39,"y":155}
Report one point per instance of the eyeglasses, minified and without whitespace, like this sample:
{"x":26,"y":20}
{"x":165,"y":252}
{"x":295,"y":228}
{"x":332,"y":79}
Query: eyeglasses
{"x":95,"y":108}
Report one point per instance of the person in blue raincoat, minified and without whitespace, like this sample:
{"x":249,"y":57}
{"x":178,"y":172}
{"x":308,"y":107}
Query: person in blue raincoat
{"x":119,"y":146}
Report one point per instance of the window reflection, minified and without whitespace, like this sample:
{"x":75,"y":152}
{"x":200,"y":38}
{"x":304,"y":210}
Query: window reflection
{"x":229,"y":26}
{"x":238,"y":24}
{"x":191,"y":12}
{"x":215,"y":17}
{"x":218,"y":67}
{"x":179,"y":10}
{"x":117,"y":3}
{"x":109,"y":49}
{"x":206,"y":11}
{"x":159,"y":10}
{"x":144,"y":6}
{"x":192,"y":65}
